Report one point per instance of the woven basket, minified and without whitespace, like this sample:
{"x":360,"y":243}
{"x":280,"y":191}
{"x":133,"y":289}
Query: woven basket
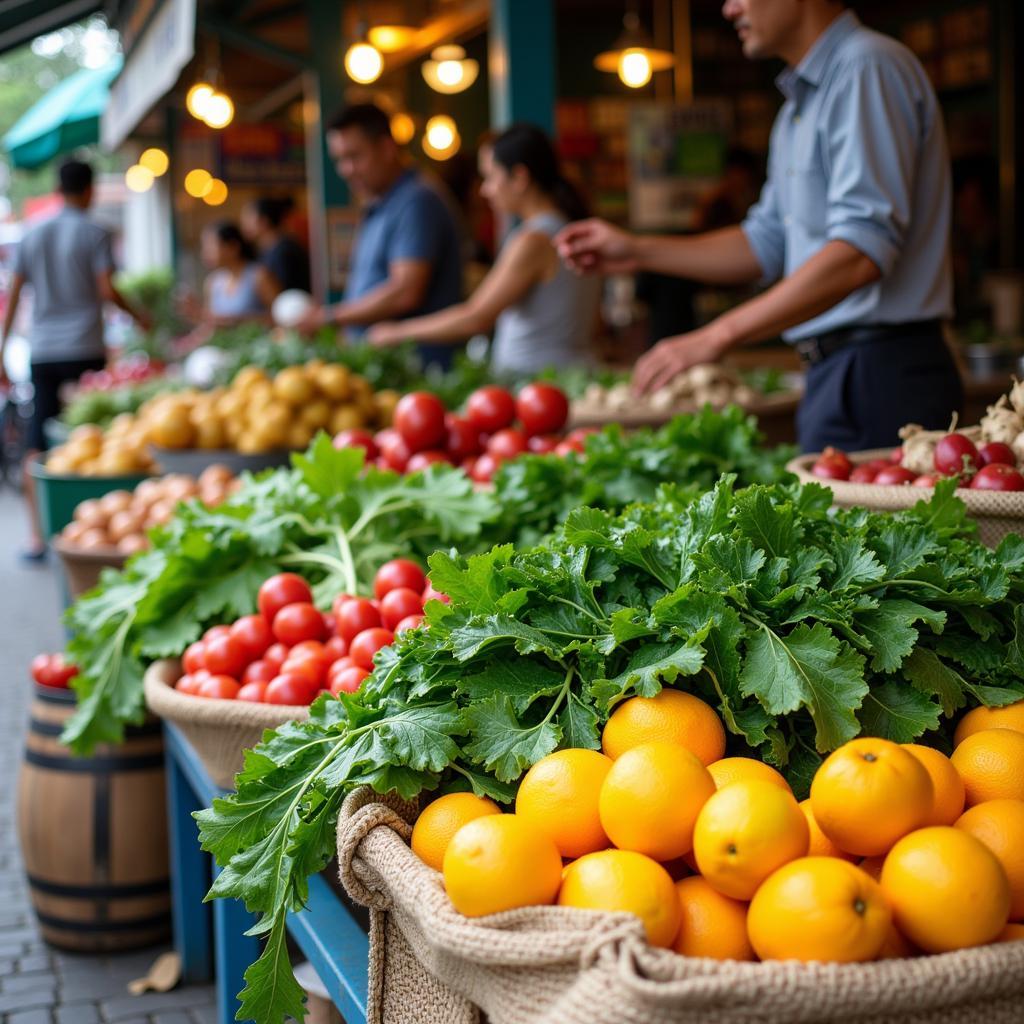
{"x":555,"y":965}
{"x":219,"y":730}
{"x":83,"y":567}
{"x":997,"y":513}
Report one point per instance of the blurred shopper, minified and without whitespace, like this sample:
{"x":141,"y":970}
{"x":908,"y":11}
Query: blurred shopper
{"x":68,"y":262}
{"x":852,"y":231}
{"x":281,"y":256}
{"x":541,"y":313}
{"x":237,"y":287}
{"x":407,"y":255}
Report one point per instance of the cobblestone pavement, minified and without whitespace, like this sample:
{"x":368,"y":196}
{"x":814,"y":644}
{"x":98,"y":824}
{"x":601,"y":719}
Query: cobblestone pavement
{"x":38,"y":984}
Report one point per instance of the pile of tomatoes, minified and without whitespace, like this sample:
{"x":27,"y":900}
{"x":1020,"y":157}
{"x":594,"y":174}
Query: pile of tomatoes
{"x":290,"y":651}
{"x":133,"y":370}
{"x":53,"y":670}
{"x":991,"y":466}
{"x":496,"y":426}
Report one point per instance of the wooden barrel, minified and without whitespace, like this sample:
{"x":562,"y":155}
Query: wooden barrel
{"x":93,"y":833}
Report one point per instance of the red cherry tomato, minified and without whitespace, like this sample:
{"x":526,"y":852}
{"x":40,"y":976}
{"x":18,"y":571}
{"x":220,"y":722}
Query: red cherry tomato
{"x":214,"y":632}
{"x":832,"y":465}
{"x":253,"y":692}
{"x":297,"y":622}
{"x":348,"y":681}
{"x":419,"y":419}
{"x":955,"y":454}
{"x":409,"y":622}
{"x":336,"y":604}
{"x":484,"y":468}
{"x":330,"y":623}
{"x":194,"y":657}
{"x":226,"y":656}
{"x":357,"y":439}
{"x":491,"y":408}
{"x":253,"y":633}
{"x":399,"y":604}
{"x":570,"y":446}
{"x":336,"y":647}
{"x":277,"y":655}
{"x":260,"y":672}
{"x":542,"y":408}
{"x":309,"y":666}
{"x":61,"y":671}
{"x":393,"y":450}
{"x":542,"y":444}
{"x":187,"y":684}
{"x":997,"y":477}
{"x":355,"y":615}
{"x":367,"y":644}
{"x":201,"y":675}
{"x":291,"y":689}
{"x":280,"y":591}
{"x":339,"y":666}
{"x":507,"y":444}
{"x":463,"y":438}
{"x":997,"y":452}
{"x":424,"y":460}
{"x":221,"y":687}
{"x":399,"y":572}
{"x":41,"y":669}
{"x":895,"y":475}
{"x":430,"y":594}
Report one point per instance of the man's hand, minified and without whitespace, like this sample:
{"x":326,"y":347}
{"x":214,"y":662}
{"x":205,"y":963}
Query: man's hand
{"x":595,"y":246}
{"x":672,"y":356}
{"x":314,"y":318}
{"x":386,"y":334}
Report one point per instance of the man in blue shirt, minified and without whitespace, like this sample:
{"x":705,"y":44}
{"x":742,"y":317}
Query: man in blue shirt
{"x":851,"y":232}
{"x":407,"y":259}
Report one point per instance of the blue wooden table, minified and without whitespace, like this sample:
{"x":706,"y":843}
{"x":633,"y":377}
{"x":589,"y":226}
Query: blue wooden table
{"x":210,"y":937}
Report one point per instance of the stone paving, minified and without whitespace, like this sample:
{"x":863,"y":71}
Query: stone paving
{"x":38,"y":984}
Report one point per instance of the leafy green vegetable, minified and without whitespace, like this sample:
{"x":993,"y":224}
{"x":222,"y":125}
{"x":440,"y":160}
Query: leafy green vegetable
{"x":803,"y":626}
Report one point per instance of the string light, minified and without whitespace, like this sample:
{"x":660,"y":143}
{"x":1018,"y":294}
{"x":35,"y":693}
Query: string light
{"x":155,"y":161}
{"x":449,"y":70}
{"x":403,"y":128}
{"x":441,"y":139}
{"x":219,"y":111}
{"x":198,"y":182}
{"x":363,"y":63}
{"x":216,"y":193}
{"x":138,"y":178}
{"x":197,"y":98}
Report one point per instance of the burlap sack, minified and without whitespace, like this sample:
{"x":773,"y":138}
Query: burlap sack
{"x":552,"y":965}
{"x":219,"y":730}
{"x":997,"y":513}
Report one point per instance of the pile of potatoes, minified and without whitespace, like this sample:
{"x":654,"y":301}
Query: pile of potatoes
{"x":257,"y":413}
{"x":88,"y":451}
{"x":119,"y":520}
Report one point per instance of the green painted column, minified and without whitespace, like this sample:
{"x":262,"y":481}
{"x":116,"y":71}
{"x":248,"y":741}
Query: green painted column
{"x":521,"y":60}
{"x":329,"y":206}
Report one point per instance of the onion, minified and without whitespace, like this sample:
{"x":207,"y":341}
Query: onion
{"x":147,"y":492}
{"x":91,"y":513}
{"x":73,"y":531}
{"x":215,"y":473}
{"x":122,"y":524}
{"x":132,"y":543}
{"x":92,"y":539}
{"x":115,"y":501}
{"x":160,"y":512}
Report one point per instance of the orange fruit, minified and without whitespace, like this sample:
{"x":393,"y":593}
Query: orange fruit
{"x":559,"y":795}
{"x":999,"y":824}
{"x":819,"y":908}
{"x":897,"y":946}
{"x":651,"y":798}
{"x":711,"y":924}
{"x":1010,"y":716}
{"x":873,"y":866}
{"x":1011,"y":933}
{"x":738,"y":769}
{"x":628,"y":882}
{"x":498,"y":862}
{"x":991,"y":763}
{"x":947,"y":890}
{"x":947,"y":786}
{"x":869,"y":793}
{"x":744,"y":833}
{"x":671,"y":717}
{"x":820,"y":844}
{"x":441,"y":819}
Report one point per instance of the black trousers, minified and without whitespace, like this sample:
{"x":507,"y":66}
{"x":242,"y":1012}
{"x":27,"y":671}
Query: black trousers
{"x":47,"y":379}
{"x":860,"y":396}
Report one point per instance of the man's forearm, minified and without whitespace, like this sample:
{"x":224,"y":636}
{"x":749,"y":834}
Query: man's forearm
{"x":717,"y":257}
{"x":828,"y":277}
{"x":387,"y":301}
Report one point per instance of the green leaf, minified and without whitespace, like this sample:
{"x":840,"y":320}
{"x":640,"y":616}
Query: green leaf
{"x":889,"y":629}
{"x":770,"y":526}
{"x":580,"y":724}
{"x":897,"y":712}
{"x":484,"y":632}
{"x":932,"y":677}
{"x":271,"y":992}
{"x":654,"y":664}
{"x":501,"y":743}
{"x":476,"y":582}
{"x":326,"y":470}
{"x":522,"y":680}
{"x":855,"y":565}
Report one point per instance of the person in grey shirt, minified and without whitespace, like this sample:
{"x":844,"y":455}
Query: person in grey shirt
{"x":851,"y":232}
{"x":69,"y":265}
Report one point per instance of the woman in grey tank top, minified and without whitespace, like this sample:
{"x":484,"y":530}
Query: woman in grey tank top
{"x":541,"y":313}
{"x":237,"y":287}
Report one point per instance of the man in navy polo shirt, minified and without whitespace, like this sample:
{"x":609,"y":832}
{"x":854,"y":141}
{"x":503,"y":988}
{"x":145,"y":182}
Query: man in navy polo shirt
{"x":407,"y":258}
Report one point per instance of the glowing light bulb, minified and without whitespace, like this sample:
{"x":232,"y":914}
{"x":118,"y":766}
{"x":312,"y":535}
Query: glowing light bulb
{"x":197,"y":98}
{"x":449,"y":72}
{"x":216,"y":193}
{"x":634,"y":68}
{"x":403,"y":128}
{"x":198,"y":182}
{"x":363,"y":63}
{"x":138,"y":178}
{"x":219,"y":111}
{"x":441,"y":139}
{"x":155,"y":161}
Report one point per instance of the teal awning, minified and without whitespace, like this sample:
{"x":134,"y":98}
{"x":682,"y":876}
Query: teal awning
{"x":67,"y":117}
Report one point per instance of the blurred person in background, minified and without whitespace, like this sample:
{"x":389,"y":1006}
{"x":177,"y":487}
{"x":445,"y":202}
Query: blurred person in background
{"x":68,"y":262}
{"x":284,"y":259}
{"x":542,"y":314}
{"x":407,"y":259}
{"x":237,"y":288}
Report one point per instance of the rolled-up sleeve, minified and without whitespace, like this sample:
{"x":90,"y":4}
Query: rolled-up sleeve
{"x":766,"y":235}
{"x":871,"y":171}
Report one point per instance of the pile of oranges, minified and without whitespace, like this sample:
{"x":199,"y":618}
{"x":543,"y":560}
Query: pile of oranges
{"x":898,"y":851}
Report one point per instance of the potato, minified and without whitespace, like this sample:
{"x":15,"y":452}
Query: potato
{"x":384,"y":403}
{"x":210,"y":434}
{"x":299,"y":435}
{"x":334,"y":381}
{"x":291,"y":385}
{"x":87,"y":433}
{"x":317,"y":414}
{"x":346,"y":417}
{"x":173,"y":429}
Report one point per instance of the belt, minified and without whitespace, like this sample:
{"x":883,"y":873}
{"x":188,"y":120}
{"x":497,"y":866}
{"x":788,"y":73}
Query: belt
{"x":817,"y":349}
